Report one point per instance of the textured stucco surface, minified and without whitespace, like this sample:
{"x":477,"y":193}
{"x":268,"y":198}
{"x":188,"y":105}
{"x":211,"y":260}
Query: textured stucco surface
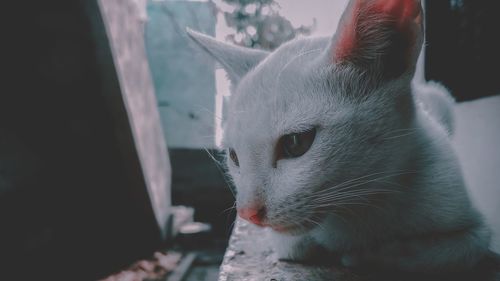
{"x":250,"y":257}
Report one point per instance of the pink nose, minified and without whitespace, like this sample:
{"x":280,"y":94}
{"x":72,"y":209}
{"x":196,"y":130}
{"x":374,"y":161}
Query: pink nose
{"x":253,"y":214}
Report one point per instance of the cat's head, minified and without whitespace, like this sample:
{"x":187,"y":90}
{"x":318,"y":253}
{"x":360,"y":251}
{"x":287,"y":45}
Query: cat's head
{"x":309,"y":118}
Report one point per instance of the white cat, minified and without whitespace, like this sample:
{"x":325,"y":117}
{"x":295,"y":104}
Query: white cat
{"x":329,"y":148}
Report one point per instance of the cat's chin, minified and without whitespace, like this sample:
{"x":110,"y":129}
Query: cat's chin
{"x":298,"y":227}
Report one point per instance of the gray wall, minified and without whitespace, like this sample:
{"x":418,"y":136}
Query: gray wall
{"x":183,"y":76}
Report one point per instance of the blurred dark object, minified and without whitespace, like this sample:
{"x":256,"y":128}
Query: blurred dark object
{"x":84,"y":178}
{"x":195,"y":235}
{"x":205,"y":187}
{"x":463,"y":46}
{"x":193,"y":241}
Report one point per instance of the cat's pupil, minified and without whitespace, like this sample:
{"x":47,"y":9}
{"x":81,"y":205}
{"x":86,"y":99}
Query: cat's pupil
{"x":295,"y":145}
{"x":292,"y":143}
{"x":234,"y":157}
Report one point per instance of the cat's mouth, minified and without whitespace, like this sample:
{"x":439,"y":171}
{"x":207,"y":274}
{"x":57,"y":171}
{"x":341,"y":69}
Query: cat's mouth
{"x":291,"y":229}
{"x":287,"y":228}
{"x":295,"y":228}
{"x":295,"y":223}
{"x":280,"y":228}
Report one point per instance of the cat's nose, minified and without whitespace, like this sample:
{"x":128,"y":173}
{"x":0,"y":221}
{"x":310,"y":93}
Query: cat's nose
{"x":253,"y":214}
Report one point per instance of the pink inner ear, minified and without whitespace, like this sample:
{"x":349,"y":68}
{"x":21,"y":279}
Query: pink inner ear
{"x":347,"y":40}
{"x":406,"y":14}
{"x":403,"y":11}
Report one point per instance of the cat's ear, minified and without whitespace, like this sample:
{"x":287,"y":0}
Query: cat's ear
{"x":382,"y":35}
{"x":236,"y":60}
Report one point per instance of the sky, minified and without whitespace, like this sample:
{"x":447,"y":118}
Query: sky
{"x":302,"y":12}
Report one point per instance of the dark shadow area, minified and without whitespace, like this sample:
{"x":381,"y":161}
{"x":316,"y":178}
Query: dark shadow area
{"x":72,"y":200}
{"x":488,"y":269}
{"x":199,"y":180}
{"x":463,"y":47}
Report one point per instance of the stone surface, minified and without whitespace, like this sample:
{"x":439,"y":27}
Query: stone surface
{"x":250,"y":257}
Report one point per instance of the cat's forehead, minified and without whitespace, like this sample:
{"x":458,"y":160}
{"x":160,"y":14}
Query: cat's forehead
{"x":277,"y":96}
{"x":284,"y":69}
{"x":282,"y":76}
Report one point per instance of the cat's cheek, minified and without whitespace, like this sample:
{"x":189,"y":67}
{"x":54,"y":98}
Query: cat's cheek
{"x":234,"y":172}
{"x":285,"y":247}
{"x":299,"y":249}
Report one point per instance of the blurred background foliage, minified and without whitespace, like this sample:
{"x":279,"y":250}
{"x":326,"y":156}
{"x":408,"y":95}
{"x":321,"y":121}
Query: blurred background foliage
{"x":258,"y":24}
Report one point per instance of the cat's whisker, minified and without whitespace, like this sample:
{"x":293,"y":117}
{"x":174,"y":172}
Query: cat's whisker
{"x":230,"y":227}
{"x":219,"y":163}
{"x":359,"y":195}
{"x":331,"y":211}
{"x":211,"y":112}
{"x":391,"y":183}
{"x":353,"y":193}
{"x":315,"y":223}
{"x":363,"y":193}
{"x":351,"y":200}
{"x":336,"y":204}
{"x":355,"y":182}
{"x":220,"y":166}
{"x":402,"y":130}
{"x":348,"y":190}
{"x":229,"y":209}
{"x":382,"y":174}
{"x":373,"y":174}
{"x":398,"y":136}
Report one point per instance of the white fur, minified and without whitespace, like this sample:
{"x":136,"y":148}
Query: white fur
{"x":380,"y":184}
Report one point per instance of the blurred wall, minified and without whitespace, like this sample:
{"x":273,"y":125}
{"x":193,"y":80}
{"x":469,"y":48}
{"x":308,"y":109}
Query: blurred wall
{"x":463,"y":49}
{"x":183,"y":74}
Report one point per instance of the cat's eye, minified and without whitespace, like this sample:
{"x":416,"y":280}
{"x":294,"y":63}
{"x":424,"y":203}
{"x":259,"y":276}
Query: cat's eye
{"x":234,"y":157}
{"x":294,"y":145}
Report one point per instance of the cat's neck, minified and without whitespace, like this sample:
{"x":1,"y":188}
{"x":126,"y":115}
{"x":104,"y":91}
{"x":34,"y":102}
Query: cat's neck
{"x":424,"y":196}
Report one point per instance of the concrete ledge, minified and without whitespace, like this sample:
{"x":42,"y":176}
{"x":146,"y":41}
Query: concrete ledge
{"x":251,"y":257}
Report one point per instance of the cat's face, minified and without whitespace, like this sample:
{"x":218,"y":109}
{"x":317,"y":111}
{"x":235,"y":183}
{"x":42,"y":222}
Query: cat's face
{"x":307,"y":120}
{"x":289,"y":139}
